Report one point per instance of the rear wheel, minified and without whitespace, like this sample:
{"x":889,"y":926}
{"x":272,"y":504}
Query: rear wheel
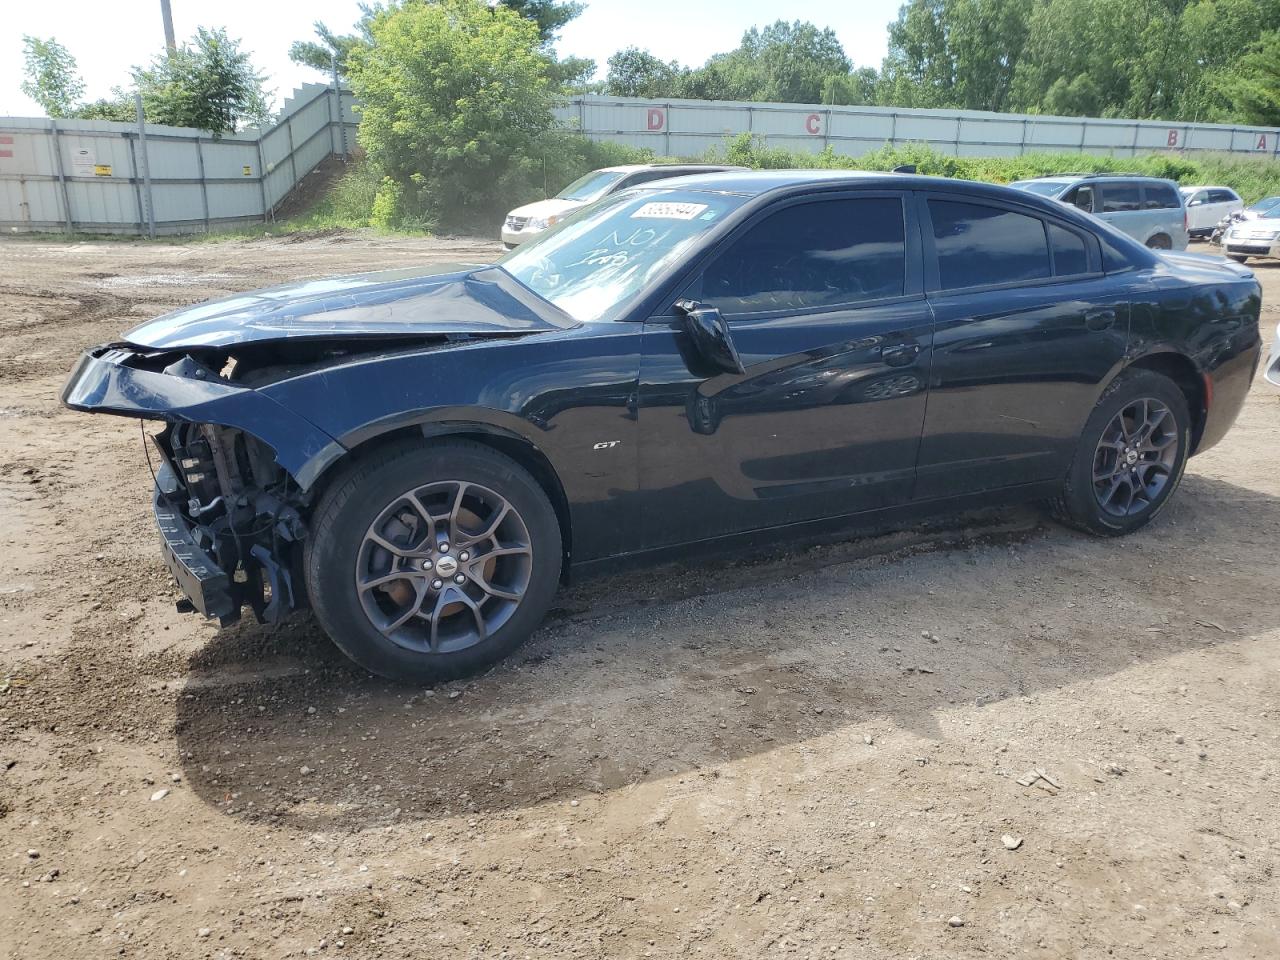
{"x":1238,"y":257}
{"x":1160,"y":242}
{"x":1130,"y":456}
{"x":430,"y":562}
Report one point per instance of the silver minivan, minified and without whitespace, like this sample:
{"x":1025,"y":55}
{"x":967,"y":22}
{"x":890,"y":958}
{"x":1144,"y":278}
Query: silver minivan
{"x":1146,"y":208}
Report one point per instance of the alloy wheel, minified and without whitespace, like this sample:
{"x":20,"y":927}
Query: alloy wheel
{"x":443,"y":566}
{"x":1135,"y":457}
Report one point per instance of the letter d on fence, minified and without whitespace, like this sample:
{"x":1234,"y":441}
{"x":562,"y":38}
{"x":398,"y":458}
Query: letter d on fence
{"x":657,"y":118}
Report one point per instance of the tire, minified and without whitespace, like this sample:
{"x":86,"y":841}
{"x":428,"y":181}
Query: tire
{"x":1159,"y":242}
{"x":1237,"y":257}
{"x":459,"y":487}
{"x":1081,"y":503}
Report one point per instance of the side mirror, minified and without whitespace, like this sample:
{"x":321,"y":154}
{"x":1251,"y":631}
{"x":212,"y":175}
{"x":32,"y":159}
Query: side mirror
{"x":710,"y":335}
{"x":1195,"y":203}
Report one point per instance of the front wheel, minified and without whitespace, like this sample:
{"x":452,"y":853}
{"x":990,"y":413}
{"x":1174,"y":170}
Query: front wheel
{"x":1130,"y":456}
{"x":1237,"y":257}
{"x":427,"y":562}
{"x":1160,"y":242}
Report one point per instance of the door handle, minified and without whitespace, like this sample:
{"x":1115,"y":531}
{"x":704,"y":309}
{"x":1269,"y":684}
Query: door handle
{"x":1100,"y":319}
{"x":899,"y":354}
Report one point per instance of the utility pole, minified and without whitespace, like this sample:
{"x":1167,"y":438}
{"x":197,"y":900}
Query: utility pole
{"x":167,"y":14}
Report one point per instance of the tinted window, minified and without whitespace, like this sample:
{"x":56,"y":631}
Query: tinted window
{"x":1069,"y":254}
{"x":1160,"y":196}
{"x":813,"y":255}
{"x":1121,"y":197}
{"x":978,"y":245}
{"x":1222,"y":196}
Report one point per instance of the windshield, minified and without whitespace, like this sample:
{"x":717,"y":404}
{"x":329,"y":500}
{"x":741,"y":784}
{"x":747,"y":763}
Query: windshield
{"x":1046,"y":188}
{"x":1266,"y":203}
{"x":607,"y":252}
{"x":590,"y":186}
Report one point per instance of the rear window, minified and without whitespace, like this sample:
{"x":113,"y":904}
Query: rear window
{"x":1121,"y":197}
{"x":1160,"y":196}
{"x":979,"y":245}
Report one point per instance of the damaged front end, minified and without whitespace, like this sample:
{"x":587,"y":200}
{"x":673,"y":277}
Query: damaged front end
{"x":229,"y":503}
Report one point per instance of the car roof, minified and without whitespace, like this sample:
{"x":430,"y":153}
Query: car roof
{"x":1206,"y":186}
{"x":754,"y":183}
{"x":1074,"y":177}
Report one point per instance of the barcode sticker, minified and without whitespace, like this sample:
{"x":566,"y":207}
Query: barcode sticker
{"x":659,"y":210}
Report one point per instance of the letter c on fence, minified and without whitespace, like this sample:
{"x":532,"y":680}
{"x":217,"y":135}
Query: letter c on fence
{"x":657,"y":118}
{"x":813,"y":124}
{"x":1173,"y":138}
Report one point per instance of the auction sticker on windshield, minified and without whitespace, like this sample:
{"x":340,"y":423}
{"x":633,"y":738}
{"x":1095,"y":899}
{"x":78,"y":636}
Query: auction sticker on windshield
{"x":659,"y":210}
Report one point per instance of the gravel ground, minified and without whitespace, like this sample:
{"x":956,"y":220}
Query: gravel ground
{"x":987,"y":737}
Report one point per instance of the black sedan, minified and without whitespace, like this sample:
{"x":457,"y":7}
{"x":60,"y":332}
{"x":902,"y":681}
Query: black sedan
{"x":423,"y":457}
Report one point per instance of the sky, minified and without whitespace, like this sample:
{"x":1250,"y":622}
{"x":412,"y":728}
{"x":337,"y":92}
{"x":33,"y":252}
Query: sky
{"x":108,"y":38}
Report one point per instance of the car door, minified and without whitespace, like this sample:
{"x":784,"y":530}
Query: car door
{"x":823,"y":300}
{"x":1224,"y":201}
{"x":1119,"y":203}
{"x":1027,"y":328}
{"x":1201,"y":214}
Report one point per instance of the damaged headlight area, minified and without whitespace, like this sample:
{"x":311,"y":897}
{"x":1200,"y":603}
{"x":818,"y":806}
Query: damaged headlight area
{"x":231,"y":521}
{"x":232,"y":470}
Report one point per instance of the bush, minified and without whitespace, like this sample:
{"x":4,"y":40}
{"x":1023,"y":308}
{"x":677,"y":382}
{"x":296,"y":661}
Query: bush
{"x":1251,"y":178}
{"x":453,"y":95}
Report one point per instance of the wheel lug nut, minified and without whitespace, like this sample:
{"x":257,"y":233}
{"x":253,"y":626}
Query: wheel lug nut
{"x":459,"y":579}
{"x":426,"y":564}
{"x":437,"y":584}
{"x":464,"y":556}
{"x":444,"y":546}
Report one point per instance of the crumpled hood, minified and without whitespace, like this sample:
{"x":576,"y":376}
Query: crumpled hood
{"x":552,"y":206}
{"x":454,"y":299}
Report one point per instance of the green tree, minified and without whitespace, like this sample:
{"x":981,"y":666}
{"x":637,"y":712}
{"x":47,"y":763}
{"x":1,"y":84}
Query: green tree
{"x":549,"y":15}
{"x":452,"y":96}
{"x":320,"y":54}
{"x":50,"y":75}
{"x":119,"y":107}
{"x":207,"y":83}
{"x":638,"y":73}
{"x":954,"y":53}
{"x":1253,"y":89}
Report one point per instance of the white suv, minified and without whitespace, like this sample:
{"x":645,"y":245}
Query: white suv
{"x":1207,"y":205}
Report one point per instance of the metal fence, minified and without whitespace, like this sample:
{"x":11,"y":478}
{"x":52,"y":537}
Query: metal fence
{"x":690,"y":127}
{"x":92,"y":176}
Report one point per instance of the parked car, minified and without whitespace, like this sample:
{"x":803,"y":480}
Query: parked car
{"x":1208,"y":205}
{"x":1146,"y":208}
{"x":1251,"y":212}
{"x":1253,"y":238}
{"x":423,"y":456}
{"x":524,"y":223}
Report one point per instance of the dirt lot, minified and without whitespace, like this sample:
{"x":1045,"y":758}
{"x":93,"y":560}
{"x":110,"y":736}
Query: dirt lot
{"x":814,"y":754}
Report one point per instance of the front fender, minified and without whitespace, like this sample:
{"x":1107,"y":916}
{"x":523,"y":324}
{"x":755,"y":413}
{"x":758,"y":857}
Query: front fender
{"x":122,"y":381}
